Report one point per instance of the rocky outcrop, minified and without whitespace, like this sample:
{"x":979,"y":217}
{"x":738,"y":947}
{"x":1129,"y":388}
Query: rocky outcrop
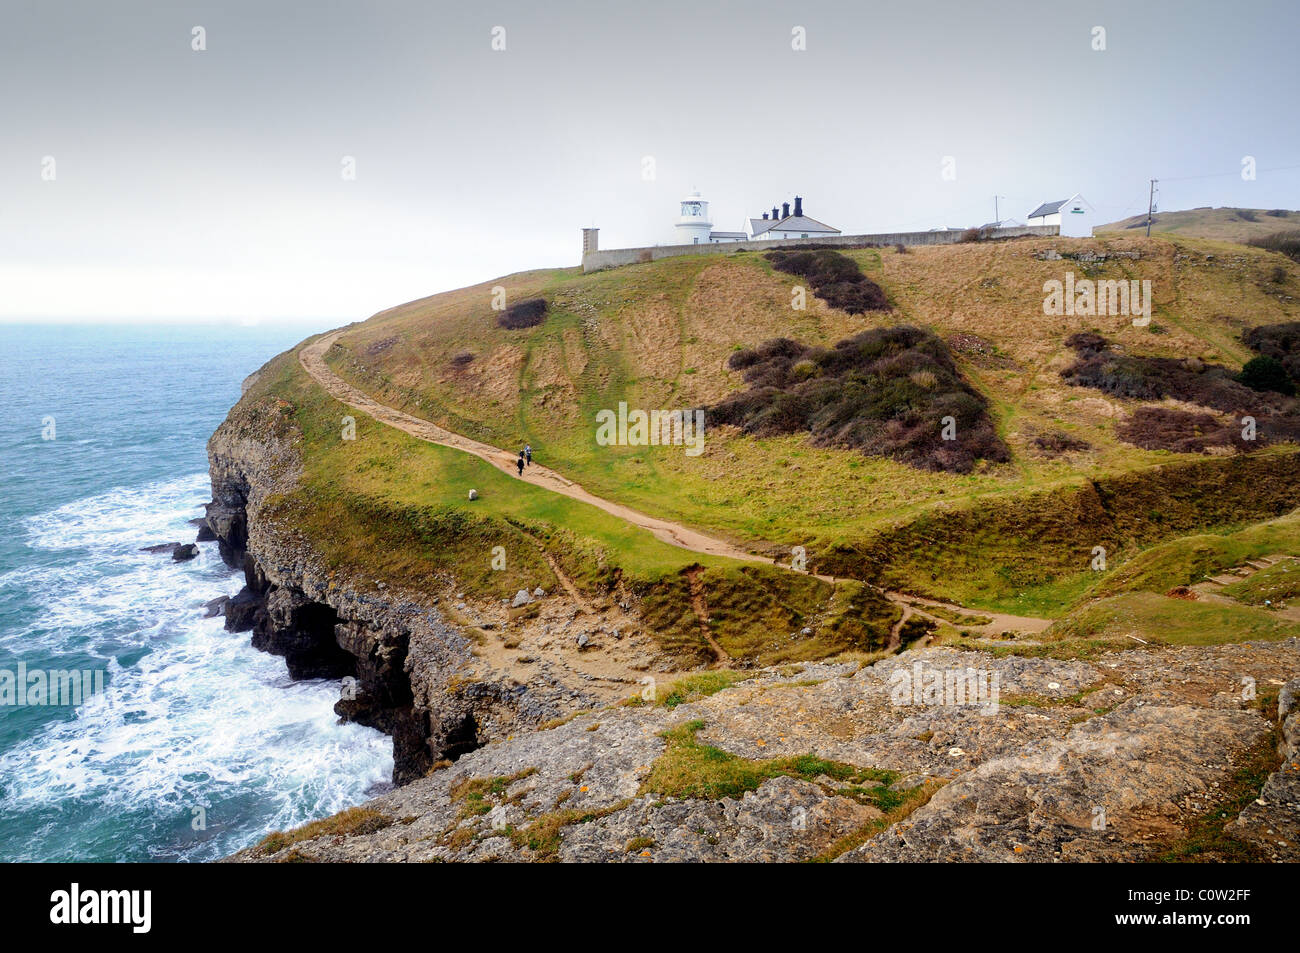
{"x":1119,"y":758}
{"x":1272,"y":820}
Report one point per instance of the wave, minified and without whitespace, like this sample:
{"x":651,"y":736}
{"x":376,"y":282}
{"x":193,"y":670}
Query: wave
{"x":192,"y":718}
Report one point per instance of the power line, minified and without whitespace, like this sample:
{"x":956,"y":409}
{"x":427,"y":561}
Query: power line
{"x":1217,"y":175}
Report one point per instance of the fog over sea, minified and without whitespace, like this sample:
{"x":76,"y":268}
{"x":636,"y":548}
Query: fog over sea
{"x":194,"y":724}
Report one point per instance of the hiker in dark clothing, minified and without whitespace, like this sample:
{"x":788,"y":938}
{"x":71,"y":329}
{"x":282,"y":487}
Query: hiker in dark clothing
{"x":520,"y":463}
{"x":528,"y":453}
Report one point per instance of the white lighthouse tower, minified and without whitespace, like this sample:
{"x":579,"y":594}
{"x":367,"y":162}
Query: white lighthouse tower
{"x":693,"y":226}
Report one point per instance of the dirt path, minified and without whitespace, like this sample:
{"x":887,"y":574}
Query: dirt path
{"x":1210,"y":589}
{"x":701,"y":608}
{"x":312,"y":358}
{"x":313,"y":361}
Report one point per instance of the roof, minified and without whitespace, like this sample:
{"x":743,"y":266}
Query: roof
{"x":791,"y":223}
{"x":1047,"y":208}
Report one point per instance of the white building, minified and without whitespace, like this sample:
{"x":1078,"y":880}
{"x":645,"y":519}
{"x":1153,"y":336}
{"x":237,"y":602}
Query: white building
{"x":1074,"y":215}
{"x":693,"y":225}
{"x":785,"y":223}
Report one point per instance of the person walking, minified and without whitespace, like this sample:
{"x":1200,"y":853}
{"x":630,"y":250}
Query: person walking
{"x":528,"y":453}
{"x":520,"y":463}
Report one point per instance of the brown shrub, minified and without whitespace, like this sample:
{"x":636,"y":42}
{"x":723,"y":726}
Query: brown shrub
{"x":1058,"y":442}
{"x":834,"y":278}
{"x":1157,"y":378}
{"x":1181,"y":431}
{"x":885,"y":392}
{"x":1287,"y":242}
{"x":523,"y":314}
{"x":1278,"y":341}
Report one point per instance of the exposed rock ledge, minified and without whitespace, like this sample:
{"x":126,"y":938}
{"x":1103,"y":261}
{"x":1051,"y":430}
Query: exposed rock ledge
{"x":1114,"y":759}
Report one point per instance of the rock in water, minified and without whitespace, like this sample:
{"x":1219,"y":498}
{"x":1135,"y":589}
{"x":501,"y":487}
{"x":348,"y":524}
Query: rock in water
{"x":241,"y":611}
{"x":160,"y":548}
{"x":205,"y":534}
{"x":215,"y":607}
{"x":182,"y":553}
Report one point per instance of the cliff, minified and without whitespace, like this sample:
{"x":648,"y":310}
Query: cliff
{"x":406,"y":671}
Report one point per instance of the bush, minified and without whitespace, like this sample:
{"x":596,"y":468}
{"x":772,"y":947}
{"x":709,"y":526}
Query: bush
{"x":834,"y":278}
{"x":1288,"y":243}
{"x":1156,"y":378}
{"x":1268,"y":374}
{"x":1086,"y":342}
{"x":1278,"y":341}
{"x":523,"y":314}
{"x":884,"y":392}
{"x":1058,"y":442}
{"x":1180,"y":431}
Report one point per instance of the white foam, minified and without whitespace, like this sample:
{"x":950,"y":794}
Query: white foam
{"x":193,"y":715}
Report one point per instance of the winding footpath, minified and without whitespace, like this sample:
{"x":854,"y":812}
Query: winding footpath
{"x":312,"y":358}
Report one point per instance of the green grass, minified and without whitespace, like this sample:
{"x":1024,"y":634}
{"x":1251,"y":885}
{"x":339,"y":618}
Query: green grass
{"x":701,"y":685}
{"x":400,"y":507}
{"x":1193,"y":559}
{"x":1165,"y":621}
{"x":1277,"y":585}
{"x":1014,"y":538}
{"x":689,"y":769}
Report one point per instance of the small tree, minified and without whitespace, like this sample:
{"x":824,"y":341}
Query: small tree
{"x":1266,"y":373}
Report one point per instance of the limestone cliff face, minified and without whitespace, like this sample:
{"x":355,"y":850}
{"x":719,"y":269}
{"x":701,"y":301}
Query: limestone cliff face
{"x":405,"y":671}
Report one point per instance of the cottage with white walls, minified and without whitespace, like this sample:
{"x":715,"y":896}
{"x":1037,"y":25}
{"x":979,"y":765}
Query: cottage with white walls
{"x":1074,"y":216}
{"x":789,"y":224}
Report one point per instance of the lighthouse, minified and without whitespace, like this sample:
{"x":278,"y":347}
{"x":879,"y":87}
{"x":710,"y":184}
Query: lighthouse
{"x":693,"y":226}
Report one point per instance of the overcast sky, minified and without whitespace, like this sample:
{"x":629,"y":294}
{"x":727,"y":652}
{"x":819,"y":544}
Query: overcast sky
{"x":208,"y":184}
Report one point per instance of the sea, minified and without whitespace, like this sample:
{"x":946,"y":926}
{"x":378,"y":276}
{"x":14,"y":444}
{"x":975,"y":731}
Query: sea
{"x":197,"y":744}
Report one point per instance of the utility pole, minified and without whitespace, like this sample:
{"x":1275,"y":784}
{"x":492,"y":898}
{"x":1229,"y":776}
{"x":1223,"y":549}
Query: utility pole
{"x":1151,"y":204}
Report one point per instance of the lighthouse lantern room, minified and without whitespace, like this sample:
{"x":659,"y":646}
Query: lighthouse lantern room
{"x":693,"y":226}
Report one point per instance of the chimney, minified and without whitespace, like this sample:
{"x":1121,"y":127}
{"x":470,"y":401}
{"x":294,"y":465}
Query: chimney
{"x":798,"y":205}
{"x":785,"y":209}
{"x":775,"y":213}
{"x":765,"y":216}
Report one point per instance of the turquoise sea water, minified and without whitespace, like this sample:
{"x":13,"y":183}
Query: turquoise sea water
{"x":200,"y":744}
